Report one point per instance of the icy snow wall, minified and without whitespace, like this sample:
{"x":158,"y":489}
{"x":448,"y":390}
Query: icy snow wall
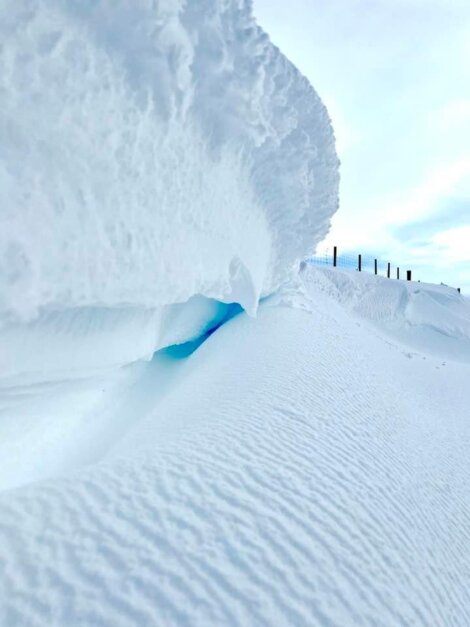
{"x":151,"y":152}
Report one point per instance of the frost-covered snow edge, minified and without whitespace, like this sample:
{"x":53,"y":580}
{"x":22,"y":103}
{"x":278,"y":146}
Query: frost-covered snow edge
{"x":151,"y":153}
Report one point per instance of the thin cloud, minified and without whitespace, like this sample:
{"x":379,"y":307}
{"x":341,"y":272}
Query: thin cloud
{"x":453,"y":212}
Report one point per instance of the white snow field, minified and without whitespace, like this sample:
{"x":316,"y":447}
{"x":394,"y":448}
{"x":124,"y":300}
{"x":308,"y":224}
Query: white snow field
{"x":306,"y":467}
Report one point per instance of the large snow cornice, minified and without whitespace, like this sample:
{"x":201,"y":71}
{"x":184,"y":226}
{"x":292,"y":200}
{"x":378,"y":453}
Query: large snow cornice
{"x":151,"y":151}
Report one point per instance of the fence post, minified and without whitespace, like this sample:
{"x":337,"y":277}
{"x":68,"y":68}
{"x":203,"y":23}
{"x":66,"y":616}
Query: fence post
{"x":359,"y":263}
{"x":375,"y":266}
{"x":335,"y":255}
{"x":408,"y":275}
{"x":458,"y":290}
{"x":398,"y":273}
{"x":388,"y":270}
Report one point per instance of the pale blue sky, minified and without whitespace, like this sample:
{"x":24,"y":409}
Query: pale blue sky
{"x":395,"y":76}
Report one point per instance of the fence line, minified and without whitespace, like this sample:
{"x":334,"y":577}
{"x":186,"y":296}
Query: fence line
{"x":361,"y":263}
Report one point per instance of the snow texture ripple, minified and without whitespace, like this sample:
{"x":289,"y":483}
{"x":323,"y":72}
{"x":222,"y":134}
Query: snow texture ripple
{"x":306,"y":470}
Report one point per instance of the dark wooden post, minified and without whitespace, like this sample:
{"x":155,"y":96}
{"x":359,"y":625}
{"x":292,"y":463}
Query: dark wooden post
{"x":388,"y":270}
{"x":398,"y":273}
{"x":408,"y":275}
{"x":375,"y":266}
{"x":359,"y":263}
{"x":335,"y":255}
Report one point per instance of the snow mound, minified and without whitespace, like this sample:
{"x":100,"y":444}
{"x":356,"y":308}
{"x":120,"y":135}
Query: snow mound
{"x":151,"y":152}
{"x":433,"y":319}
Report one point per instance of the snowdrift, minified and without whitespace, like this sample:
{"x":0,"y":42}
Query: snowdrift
{"x":163,"y":168}
{"x":433,"y":319}
{"x":150,"y":153}
{"x":305,"y":469}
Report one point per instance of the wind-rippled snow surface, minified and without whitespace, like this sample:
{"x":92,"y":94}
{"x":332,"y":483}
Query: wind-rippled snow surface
{"x":151,"y":151}
{"x":305,"y":470}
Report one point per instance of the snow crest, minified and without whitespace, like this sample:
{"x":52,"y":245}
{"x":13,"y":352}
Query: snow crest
{"x":151,"y":152}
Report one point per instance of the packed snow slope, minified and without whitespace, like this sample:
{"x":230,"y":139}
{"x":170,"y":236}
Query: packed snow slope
{"x":306,"y":467}
{"x":151,"y":152}
{"x":432,"y":318}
